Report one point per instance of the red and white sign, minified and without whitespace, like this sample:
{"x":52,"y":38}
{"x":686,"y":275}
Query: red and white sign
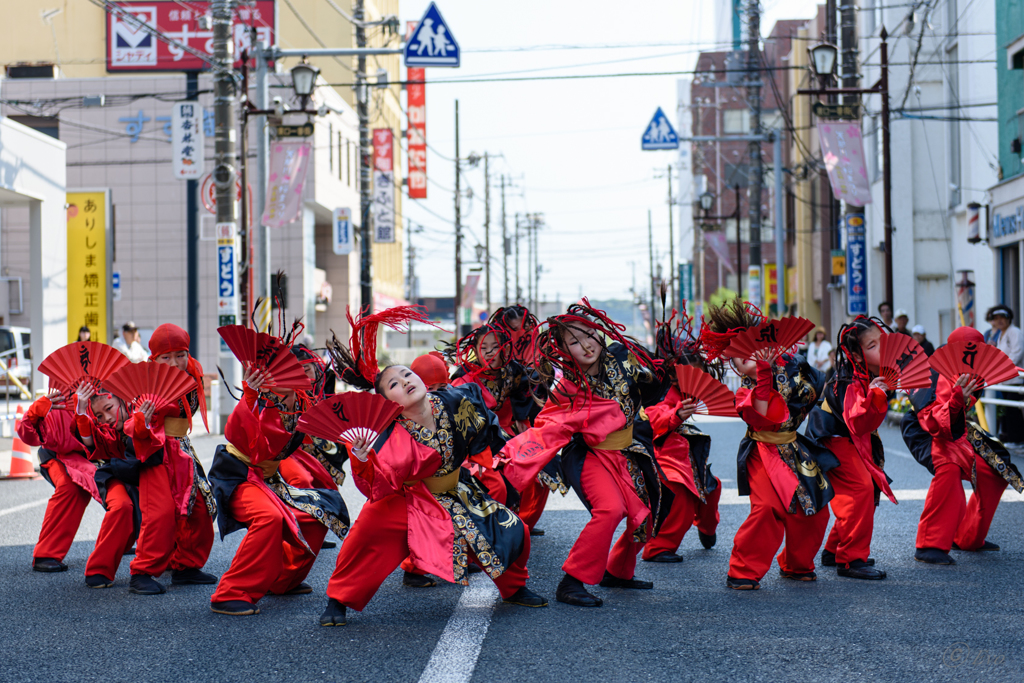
{"x":383,"y":207}
{"x":842,"y":148}
{"x":131,"y":48}
{"x":289,"y":161}
{"x":416,"y":90}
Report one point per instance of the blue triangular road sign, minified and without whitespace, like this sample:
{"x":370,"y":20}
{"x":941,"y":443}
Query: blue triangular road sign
{"x":659,"y":133}
{"x":432,"y":44}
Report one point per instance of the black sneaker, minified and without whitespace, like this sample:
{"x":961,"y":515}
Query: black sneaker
{"x":860,"y":569}
{"x":828,"y":559}
{"x":527,"y":598}
{"x":192,"y":577}
{"x":933,"y":556}
{"x":48,"y":565}
{"x":798,"y":576}
{"x":571,"y":591}
{"x":987,"y":546}
{"x":98,"y":581}
{"x":536,"y":532}
{"x":334,"y":615}
{"x":664,"y":557}
{"x":144,"y":584}
{"x":707,"y":540}
{"x":413,"y":580}
{"x":610,"y":581}
{"x":327,"y":545}
{"x":741,"y":584}
{"x":234,"y":608}
{"x":302,"y":589}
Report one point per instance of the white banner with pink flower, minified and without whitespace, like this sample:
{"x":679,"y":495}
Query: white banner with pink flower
{"x":842,"y":148}
{"x":289,"y":161}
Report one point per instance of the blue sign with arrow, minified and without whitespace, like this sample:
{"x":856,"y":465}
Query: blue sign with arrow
{"x":432,"y":44}
{"x":659,"y":134}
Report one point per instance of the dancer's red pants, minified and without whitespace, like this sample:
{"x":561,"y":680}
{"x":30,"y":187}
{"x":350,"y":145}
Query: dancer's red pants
{"x":168,"y":539}
{"x":532,"y":501}
{"x":377,"y":544}
{"x":853,"y":504}
{"x":116,"y":532}
{"x":947,"y":518}
{"x":63,"y":513}
{"x":270,"y":559}
{"x":687,"y":511}
{"x":768,"y":522}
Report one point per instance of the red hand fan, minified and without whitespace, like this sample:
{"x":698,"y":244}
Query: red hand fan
{"x":970,"y":358}
{"x":92,"y":362}
{"x":769,"y":340}
{"x":350,"y":416}
{"x":903,"y":363}
{"x":161,"y":384}
{"x":268,"y":353}
{"x":713,"y":397}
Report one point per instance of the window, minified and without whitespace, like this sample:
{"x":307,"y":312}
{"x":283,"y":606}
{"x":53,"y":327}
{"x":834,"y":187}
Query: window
{"x":736,"y":121}
{"x":26,"y":342}
{"x":6,"y":344}
{"x":50,"y":125}
{"x":1009,"y":258}
{"x":341,"y":143}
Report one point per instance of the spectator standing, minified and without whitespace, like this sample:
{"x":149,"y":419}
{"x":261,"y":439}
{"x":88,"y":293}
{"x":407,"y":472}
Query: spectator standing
{"x":885,"y":313}
{"x":818,"y":351}
{"x":84,"y":333}
{"x":130,"y":344}
{"x":921,"y":337}
{"x":1009,"y":339}
{"x":902,"y":319}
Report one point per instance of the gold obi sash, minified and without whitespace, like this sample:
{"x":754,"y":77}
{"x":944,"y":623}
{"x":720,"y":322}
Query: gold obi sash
{"x":774,"y":438}
{"x":616,"y":441}
{"x":176,"y":426}
{"x":268,"y":467}
{"x":440,"y":484}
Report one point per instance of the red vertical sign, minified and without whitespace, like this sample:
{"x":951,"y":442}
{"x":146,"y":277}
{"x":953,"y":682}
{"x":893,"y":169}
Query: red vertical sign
{"x":416,"y":91}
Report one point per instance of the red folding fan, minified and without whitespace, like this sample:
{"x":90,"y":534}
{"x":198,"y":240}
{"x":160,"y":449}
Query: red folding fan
{"x":87,"y":361}
{"x":769,"y":340}
{"x":268,"y":353}
{"x":350,"y":416}
{"x":903,"y":363}
{"x":986,"y":362}
{"x":713,"y":397}
{"x":159,"y":383}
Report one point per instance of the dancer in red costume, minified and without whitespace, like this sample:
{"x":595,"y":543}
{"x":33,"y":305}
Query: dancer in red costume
{"x":855,"y":405}
{"x":594,"y":415}
{"x":954,"y":448}
{"x":782,"y":471}
{"x":421,"y":501}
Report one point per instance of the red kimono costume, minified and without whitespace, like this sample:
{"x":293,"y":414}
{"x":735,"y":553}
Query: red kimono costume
{"x":696,"y":490}
{"x":65,"y":465}
{"x":782,"y":471}
{"x":286,"y":524}
{"x":846,"y":423}
{"x":959,"y":450}
{"x":422,"y":504}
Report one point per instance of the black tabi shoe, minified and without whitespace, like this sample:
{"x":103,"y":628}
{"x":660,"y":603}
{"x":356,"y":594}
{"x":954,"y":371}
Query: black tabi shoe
{"x":234,"y":608}
{"x":474,"y":569}
{"x":798,"y":576}
{"x":610,"y":581}
{"x":536,"y":532}
{"x":987,"y":546}
{"x":129,"y":552}
{"x":302,"y":589}
{"x":144,"y":584}
{"x":418,"y":580}
{"x":192,"y":577}
{"x":933,"y":556}
{"x":98,"y":581}
{"x":527,"y":598}
{"x":829,"y":559}
{"x":664,"y":557}
{"x":707,"y":540}
{"x":571,"y":591}
{"x":334,"y":615}
{"x":860,"y":569}
{"x":327,"y":545}
{"x":741,"y":584}
{"x":48,"y":565}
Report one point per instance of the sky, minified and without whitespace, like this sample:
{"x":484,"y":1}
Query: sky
{"x":570,"y":147}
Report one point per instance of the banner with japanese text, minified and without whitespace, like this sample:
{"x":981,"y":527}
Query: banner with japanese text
{"x":289,"y":162}
{"x":856,"y":265}
{"x":383,"y":206}
{"x":416,"y":90}
{"x":187,"y":143}
{"x":842,"y":148}
{"x":89,"y":288}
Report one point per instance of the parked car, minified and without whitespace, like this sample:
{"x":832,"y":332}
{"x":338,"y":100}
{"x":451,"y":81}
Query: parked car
{"x":16,"y":353}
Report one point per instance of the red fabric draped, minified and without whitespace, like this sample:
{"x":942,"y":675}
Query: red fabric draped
{"x":169,"y":338}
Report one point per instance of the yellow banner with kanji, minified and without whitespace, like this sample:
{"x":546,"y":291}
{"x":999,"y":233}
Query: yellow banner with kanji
{"x":88,"y":279}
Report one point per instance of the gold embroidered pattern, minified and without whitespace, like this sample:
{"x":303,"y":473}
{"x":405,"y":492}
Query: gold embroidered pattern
{"x":467,"y":417}
{"x":283,"y":491}
{"x":321,"y":449}
{"x":467,"y":535}
{"x":200,"y":485}
{"x":441,"y":440}
{"x":793,"y":457}
{"x":699,"y":477}
{"x":994,"y":460}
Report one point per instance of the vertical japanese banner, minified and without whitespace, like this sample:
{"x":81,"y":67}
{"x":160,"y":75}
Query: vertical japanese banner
{"x":187,"y":143}
{"x":383,"y":206}
{"x":754,"y":286}
{"x":771,"y":285}
{"x":416,"y":90}
{"x":227,"y":277}
{"x":89,"y":267}
{"x":685,"y":284}
{"x":842,"y":148}
{"x":342,"y":231}
{"x":856,"y":265}
{"x":289,"y":162}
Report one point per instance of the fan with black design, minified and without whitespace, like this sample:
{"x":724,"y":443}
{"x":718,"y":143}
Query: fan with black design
{"x":713,"y":397}
{"x":350,"y":417}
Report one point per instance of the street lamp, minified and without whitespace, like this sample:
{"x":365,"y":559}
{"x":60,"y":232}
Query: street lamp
{"x":823,"y":60}
{"x":304,"y":77}
{"x":707,"y":200}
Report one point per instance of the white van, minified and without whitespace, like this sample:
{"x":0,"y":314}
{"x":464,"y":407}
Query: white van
{"x":16,"y":353}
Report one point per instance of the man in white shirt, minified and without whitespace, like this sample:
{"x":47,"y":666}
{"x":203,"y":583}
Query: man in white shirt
{"x":1009,"y":339}
{"x":130,"y":344}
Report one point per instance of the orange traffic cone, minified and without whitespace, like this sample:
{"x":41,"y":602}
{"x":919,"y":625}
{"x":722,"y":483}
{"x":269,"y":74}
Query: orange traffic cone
{"x":22,"y":462}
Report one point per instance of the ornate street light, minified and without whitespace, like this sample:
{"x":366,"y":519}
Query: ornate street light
{"x":304,"y":77}
{"x":707,"y":200}
{"x":823,"y":60}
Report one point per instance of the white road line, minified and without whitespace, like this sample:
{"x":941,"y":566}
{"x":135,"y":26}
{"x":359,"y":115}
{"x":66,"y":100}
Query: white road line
{"x":24,"y":506}
{"x":458,"y":648}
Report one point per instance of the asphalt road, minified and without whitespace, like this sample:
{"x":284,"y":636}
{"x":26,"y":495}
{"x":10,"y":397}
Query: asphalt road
{"x":924,"y":623}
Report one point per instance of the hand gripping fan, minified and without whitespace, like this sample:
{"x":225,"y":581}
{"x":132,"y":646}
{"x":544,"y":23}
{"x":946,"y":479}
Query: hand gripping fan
{"x":769,"y":340}
{"x":162,"y":384}
{"x":350,"y":416}
{"x":903,"y":363}
{"x":92,"y":362}
{"x":268,"y":353}
{"x":970,"y":358}
{"x":713,"y":397}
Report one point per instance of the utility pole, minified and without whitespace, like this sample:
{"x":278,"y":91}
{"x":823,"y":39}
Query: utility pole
{"x":192,"y":237}
{"x":754,"y":75}
{"x":650,"y":245}
{"x":261,"y":244}
{"x":504,"y":238}
{"x":848,"y":19}
{"x":828,"y":240}
{"x":519,"y":291}
{"x":458,"y":230}
{"x":883,"y":85}
{"x":672,"y":268}
{"x":411,"y":270}
{"x":365,"y":151}
{"x":487,"y":229}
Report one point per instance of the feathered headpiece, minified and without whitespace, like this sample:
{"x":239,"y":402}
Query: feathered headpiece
{"x":726,"y":322}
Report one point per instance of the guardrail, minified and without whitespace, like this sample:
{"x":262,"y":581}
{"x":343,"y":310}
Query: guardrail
{"x":990,"y":401}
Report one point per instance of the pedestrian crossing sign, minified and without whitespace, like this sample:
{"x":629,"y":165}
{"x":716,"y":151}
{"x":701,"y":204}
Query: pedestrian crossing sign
{"x":659,"y":133}
{"x":432,"y":44}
